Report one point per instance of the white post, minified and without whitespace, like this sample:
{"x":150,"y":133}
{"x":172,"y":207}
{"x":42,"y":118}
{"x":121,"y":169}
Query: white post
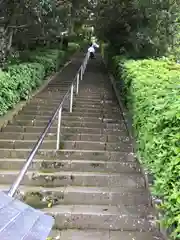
{"x":71,"y":98}
{"x":81,"y":72}
{"x":58,"y":129}
{"x":77,"y":84}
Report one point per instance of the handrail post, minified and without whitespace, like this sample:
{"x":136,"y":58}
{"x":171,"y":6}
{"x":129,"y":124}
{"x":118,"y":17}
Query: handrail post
{"x":83,"y":66}
{"x":71,"y":98}
{"x":77,"y":84}
{"x":81,"y":72}
{"x":58,"y":129}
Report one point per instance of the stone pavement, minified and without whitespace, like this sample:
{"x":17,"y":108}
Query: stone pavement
{"x":92,"y":186}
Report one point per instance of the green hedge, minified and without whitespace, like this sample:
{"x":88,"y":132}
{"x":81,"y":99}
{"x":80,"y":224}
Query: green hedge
{"x":32,"y":66}
{"x":18,"y":82}
{"x":152,"y":91}
{"x":51,"y":59}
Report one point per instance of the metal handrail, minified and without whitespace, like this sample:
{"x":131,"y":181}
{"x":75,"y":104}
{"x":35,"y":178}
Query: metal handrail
{"x":58,"y":111}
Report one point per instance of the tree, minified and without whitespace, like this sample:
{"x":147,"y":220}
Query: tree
{"x":142,"y":28}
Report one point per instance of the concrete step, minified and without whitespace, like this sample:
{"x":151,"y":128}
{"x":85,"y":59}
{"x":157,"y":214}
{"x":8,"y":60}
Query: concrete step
{"x":40,"y":197}
{"x":65,"y":144}
{"x":82,"y":107}
{"x":122,"y":218}
{"x":67,"y":117}
{"x":66,"y":130}
{"x":81,"y":114}
{"x":69,"y":154}
{"x":12,"y":136}
{"x":70,"y":116}
{"x":84,"y":101}
{"x":68,"y":178}
{"x":77,"y":99}
{"x":92,"y":234}
{"x":97,"y":106}
{"x":77,"y":110}
{"x":50,"y":166}
{"x":53,"y":95}
{"x":69,"y":123}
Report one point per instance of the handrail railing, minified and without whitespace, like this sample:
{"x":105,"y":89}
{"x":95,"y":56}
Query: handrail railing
{"x":79,"y":76}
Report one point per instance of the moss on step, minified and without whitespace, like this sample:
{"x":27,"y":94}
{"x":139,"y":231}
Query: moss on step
{"x":95,"y":165}
{"x":41,"y":200}
{"x":61,"y":146}
{"x":47,"y":170}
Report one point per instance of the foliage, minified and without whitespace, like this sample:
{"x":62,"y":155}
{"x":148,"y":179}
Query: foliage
{"x":20,"y":79}
{"x":153,"y":94}
{"x":18,"y":82}
{"x":72,"y":47}
{"x":140,"y":27}
{"x":27,"y":76}
{"x":49,"y":59}
{"x":25,"y":24}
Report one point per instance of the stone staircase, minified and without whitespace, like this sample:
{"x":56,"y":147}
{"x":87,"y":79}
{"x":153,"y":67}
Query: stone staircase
{"x":92,"y":186}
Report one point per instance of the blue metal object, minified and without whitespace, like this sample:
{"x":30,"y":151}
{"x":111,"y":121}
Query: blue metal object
{"x":19,"y":221}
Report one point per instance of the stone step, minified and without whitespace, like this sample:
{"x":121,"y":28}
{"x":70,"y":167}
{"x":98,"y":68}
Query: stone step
{"x":52,"y":95}
{"x":37,"y":100}
{"x":40,"y":197}
{"x":75,"y":114}
{"x":84,"y":107}
{"x":69,"y":123}
{"x":48,"y":115}
{"x":71,"y":137}
{"x":84,"y":93}
{"x":66,"y":130}
{"x":65,"y":144}
{"x":107,"y":109}
{"x":66,"y":178}
{"x":98,"y":106}
{"x":69,"y":116}
{"x":69,"y":154}
{"x":84,"y":101}
{"x":77,"y":110}
{"x":92,"y":234}
{"x":122,"y":218}
{"x":50,"y":166}
{"x":76,"y":102}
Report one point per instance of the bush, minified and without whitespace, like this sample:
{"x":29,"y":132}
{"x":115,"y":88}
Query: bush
{"x":72,"y":47}
{"x":18,"y":82}
{"x":29,"y":72}
{"x":49,"y":58}
{"x":27,"y":76}
{"x":152,"y":89}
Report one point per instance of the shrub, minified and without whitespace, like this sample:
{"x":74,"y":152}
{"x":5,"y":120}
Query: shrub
{"x":27,"y":76}
{"x":8,"y":96}
{"x":49,"y":58}
{"x":152,"y":89}
{"x":72,"y":47}
{"x":20,"y":79}
{"x":18,"y":82}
